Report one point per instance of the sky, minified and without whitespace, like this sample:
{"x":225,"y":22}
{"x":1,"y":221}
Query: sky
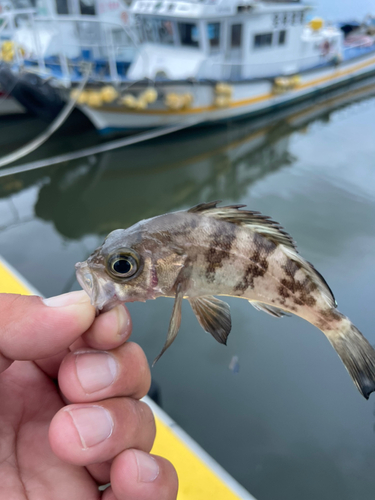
{"x":335,"y":10}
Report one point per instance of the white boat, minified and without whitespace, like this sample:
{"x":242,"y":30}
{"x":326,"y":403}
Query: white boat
{"x":47,"y":49}
{"x":198,"y":61}
{"x":216,"y":60}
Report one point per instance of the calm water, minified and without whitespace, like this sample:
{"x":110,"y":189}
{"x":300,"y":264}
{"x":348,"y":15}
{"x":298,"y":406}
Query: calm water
{"x":290,"y":425}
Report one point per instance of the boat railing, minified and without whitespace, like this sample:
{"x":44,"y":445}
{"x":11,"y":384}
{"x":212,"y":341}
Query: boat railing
{"x":109,"y":58}
{"x":237,"y":70}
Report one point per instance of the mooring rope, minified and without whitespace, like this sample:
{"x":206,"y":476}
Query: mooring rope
{"x":109,"y":146}
{"x":44,"y":136}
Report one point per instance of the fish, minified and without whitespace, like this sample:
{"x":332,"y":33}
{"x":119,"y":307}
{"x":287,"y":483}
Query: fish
{"x":211,"y":250}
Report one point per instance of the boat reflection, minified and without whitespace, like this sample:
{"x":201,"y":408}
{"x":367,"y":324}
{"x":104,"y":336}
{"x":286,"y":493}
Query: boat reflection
{"x":97,"y":194}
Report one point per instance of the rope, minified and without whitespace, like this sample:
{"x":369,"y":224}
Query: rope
{"x":109,"y":146}
{"x":44,"y":136}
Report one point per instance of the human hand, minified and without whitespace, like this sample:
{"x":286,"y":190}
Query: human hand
{"x":53,"y":450}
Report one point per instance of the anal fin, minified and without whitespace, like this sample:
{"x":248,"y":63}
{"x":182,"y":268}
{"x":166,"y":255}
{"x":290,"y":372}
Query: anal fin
{"x":213,"y":315}
{"x":271,"y":310}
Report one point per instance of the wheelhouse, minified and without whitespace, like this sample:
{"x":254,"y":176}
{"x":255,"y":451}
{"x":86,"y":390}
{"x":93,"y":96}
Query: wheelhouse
{"x":236,"y":39}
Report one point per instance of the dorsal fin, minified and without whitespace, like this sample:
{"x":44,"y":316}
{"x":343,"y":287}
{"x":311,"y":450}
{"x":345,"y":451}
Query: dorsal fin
{"x":254,"y":220}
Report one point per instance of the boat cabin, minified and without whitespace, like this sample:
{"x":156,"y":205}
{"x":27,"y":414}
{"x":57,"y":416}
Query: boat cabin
{"x":228,"y":39}
{"x":74,"y":28}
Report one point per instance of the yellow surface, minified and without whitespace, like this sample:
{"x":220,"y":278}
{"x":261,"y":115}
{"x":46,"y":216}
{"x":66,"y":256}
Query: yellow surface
{"x":316,"y":24}
{"x":10,"y":284}
{"x":197,"y":481}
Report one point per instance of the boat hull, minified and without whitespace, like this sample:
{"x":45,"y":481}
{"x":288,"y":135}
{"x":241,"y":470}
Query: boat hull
{"x":9,"y":105}
{"x":249,"y":98}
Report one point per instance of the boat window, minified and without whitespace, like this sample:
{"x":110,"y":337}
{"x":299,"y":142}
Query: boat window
{"x":147,"y":29}
{"x":213,"y":33}
{"x":236,"y":36}
{"x":282,"y":37}
{"x":87,"y":7}
{"x":189,"y":34}
{"x":164,"y":31}
{"x":263,"y":40}
{"x":62,"y":7}
{"x":120,"y":38}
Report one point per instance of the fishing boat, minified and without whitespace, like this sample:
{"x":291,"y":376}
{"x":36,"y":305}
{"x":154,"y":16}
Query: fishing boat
{"x":202,"y":62}
{"x":47,"y":49}
{"x":217,"y":60}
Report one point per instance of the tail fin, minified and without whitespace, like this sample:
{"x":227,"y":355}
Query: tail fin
{"x":357,"y":355}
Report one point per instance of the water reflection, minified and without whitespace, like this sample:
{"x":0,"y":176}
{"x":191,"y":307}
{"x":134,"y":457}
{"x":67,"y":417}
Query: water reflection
{"x":115,"y":189}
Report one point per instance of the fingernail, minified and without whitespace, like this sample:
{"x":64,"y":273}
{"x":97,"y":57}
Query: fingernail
{"x":148,"y":468}
{"x":123,"y":321}
{"x":94,"y":424}
{"x":96,"y":370}
{"x":67,"y":299}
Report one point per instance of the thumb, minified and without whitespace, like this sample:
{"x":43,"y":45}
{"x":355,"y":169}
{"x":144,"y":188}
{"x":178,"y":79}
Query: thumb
{"x":33,"y":328}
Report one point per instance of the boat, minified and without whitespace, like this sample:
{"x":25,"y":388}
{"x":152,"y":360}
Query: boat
{"x":210,"y":61}
{"x":216,"y":60}
{"x":47,"y":49}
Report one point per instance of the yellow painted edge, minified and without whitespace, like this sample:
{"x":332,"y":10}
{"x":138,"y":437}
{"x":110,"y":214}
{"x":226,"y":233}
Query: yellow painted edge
{"x":242,"y":102}
{"x":197,"y":481}
{"x":10,"y":284}
{"x":337,"y":74}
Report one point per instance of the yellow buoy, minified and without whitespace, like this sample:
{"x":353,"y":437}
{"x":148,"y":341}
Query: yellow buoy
{"x":222,"y":101}
{"x":94,"y":99}
{"x":141,"y":103}
{"x":295,"y":80}
{"x":316,"y":24}
{"x":224,"y":89}
{"x":173,"y":101}
{"x":129,"y":101}
{"x":7,"y":50}
{"x":178,"y":101}
{"x":188,"y":100}
{"x":282,"y":82}
{"x":149,"y":95}
{"x":108,"y":93}
{"x":82,"y":99}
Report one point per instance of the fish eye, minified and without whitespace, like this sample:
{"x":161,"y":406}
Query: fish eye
{"x":123,"y":264}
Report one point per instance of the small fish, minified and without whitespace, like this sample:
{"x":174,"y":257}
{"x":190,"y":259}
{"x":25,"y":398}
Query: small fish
{"x":211,"y":250}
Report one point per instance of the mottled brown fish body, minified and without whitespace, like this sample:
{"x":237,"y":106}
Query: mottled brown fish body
{"x":211,"y":250}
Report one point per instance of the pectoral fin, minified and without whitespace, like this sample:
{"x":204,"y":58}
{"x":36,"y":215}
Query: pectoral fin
{"x":174,"y":324}
{"x":213,"y":315}
{"x":273,"y":311}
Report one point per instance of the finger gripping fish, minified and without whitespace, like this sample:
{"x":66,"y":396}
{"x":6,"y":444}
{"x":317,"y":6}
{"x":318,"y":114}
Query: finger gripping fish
{"x":210,"y":250}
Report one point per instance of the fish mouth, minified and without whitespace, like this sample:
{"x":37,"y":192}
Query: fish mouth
{"x":102,"y":293}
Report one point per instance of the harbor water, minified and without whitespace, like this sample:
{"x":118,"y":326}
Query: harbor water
{"x":284,"y":419}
